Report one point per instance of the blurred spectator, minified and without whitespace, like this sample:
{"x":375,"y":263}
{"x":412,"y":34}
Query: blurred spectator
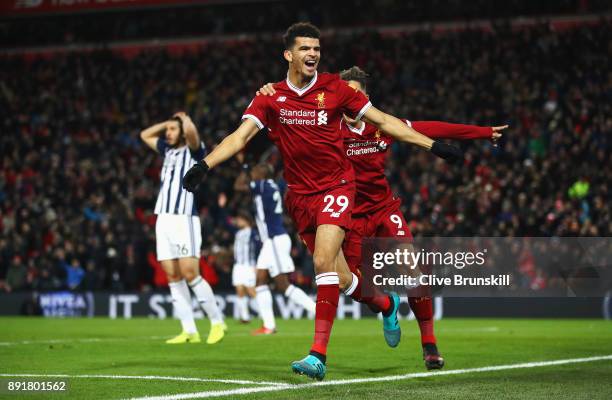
{"x":74,"y":273}
{"x":17,"y":275}
{"x":579,"y":189}
{"x":91,"y":278}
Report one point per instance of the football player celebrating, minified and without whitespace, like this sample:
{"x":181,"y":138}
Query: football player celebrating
{"x":303,"y":122}
{"x":377,"y":211}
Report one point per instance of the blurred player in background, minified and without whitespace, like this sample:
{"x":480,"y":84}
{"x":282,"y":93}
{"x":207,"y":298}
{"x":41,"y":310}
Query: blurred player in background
{"x":246,"y":247}
{"x":177,"y":230}
{"x":303,"y":121}
{"x":274,"y":260}
{"x":377,"y":211}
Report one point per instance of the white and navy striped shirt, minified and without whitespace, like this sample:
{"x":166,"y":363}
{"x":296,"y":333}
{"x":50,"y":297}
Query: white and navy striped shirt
{"x":268,"y":208}
{"x":246,"y":247}
{"x":172,"y":198}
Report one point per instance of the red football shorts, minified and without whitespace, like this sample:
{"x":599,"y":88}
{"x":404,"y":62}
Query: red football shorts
{"x":333,"y":207}
{"x":385,"y":222}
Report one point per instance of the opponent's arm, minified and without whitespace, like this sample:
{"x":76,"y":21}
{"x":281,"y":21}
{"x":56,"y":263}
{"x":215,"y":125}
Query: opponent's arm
{"x":151,"y":135}
{"x":231,"y":145}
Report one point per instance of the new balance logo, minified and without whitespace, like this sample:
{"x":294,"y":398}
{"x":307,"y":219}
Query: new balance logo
{"x":321,"y":118}
{"x":281,"y":98}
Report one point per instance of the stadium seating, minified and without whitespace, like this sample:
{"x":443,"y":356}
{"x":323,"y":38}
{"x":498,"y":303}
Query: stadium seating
{"x":78,"y":185}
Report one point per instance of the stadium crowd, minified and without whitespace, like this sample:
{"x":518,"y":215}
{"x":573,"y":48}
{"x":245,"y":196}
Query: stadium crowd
{"x":224,"y":19}
{"x":77,"y":187}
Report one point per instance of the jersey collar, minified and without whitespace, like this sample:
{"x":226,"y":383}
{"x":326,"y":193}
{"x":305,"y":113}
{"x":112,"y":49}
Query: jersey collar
{"x":303,"y":90}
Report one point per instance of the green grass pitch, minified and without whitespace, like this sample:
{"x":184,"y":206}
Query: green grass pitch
{"x":102,"y":347}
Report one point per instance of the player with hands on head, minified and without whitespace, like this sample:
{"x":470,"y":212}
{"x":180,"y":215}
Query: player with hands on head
{"x":177,"y":229}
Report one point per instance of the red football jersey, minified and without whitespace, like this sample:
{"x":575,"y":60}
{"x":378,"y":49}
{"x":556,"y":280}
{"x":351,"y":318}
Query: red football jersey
{"x":305,"y":125}
{"x":367,"y":148}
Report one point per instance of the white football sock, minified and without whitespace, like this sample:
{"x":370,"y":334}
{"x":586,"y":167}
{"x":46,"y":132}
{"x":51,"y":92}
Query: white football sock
{"x":181,"y":299}
{"x":354,"y":283}
{"x":298,"y":296}
{"x":203,"y":292}
{"x":264,"y":303}
{"x":243,"y":303}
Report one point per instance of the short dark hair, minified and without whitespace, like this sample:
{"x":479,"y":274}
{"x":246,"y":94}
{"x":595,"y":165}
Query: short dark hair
{"x":245,"y":216}
{"x":355,"y":74}
{"x":300,"y":29}
{"x":266,"y":170}
{"x":180,"y":124}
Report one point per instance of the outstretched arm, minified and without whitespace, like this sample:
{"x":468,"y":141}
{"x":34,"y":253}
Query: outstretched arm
{"x":230,"y":146}
{"x":400,"y":131}
{"x":151,"y":135}
{"x":395,"y":128}
{"x":232,"y":143}
{"x":446,"y":130}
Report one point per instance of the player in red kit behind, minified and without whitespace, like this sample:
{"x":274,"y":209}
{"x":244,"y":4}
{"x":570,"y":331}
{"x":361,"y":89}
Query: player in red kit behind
{"x":377,"y":212}
{"x":303,"y":121}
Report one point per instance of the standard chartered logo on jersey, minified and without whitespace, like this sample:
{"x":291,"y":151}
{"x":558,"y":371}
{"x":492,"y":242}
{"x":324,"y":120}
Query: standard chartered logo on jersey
{"x":302,"y":117}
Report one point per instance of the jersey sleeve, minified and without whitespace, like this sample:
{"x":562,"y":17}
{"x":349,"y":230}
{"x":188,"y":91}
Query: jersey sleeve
{"x":255,"y":240}
{"x":446,"y":130}
{"x":199,"y":153}
{"x":162,"y":146}
{"x":257,"y":111}
{"x":352,"y":101}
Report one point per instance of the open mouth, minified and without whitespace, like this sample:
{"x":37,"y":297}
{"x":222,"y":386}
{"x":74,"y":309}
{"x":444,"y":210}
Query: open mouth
{"x":310,"y":65}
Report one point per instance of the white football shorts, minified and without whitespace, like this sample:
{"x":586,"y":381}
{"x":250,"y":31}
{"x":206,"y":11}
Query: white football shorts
{"x":177,"y":236}
{"x":243,"y":275}
{"x":275,"y":256}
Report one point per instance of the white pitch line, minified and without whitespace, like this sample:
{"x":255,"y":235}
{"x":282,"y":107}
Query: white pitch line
{"x":234,"y":392}
{"x":146,"y":377}
{"x":82,"y":340}
{"x":245,"y":334}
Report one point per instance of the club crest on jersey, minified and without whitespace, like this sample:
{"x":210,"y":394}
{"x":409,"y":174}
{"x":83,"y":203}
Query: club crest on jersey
{"x":321,"y":100}
{"x":381,"y":144}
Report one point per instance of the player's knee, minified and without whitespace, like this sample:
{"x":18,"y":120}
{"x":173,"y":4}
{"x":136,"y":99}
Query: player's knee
{"x":323,"y":262}
{"x":173,"y":276}
{"x":281,"y":284}
{"x":190,"y":275}
{"x":261,"y":278}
